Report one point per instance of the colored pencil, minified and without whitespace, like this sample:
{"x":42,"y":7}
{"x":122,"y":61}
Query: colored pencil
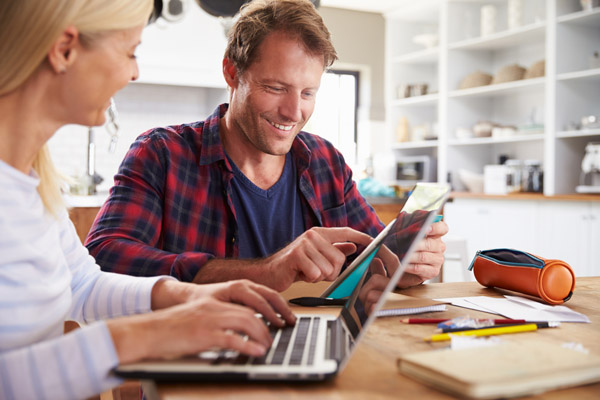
{"x":502,"y":330}
{"x":539,"y":325}
{"x":438,"y":320}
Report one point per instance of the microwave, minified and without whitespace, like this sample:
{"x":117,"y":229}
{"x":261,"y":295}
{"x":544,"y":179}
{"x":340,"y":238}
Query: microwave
{"x":413,"y":169}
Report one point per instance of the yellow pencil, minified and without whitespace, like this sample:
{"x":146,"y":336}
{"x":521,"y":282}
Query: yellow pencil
{"x":484,"y":332}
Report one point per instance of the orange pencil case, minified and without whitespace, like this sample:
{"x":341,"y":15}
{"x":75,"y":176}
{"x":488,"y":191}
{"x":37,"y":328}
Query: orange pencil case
{"x":553,"y":281}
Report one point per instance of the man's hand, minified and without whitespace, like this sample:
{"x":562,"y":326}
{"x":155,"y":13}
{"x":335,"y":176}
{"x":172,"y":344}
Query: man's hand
{"x":316,"y":255}
{"x":427,"y":261}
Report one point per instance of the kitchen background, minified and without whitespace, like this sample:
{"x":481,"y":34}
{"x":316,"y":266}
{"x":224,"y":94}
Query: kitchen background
{"x":180,"y":81}
{"x":498,"y":97}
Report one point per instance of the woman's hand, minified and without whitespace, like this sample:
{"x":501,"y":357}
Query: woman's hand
{"x":189,"y":328}
{"x":261,"y":299}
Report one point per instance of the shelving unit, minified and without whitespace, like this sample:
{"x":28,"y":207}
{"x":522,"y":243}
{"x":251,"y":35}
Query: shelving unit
{"x":424,"y":144}
{"x":514,"y":87}
{"x":500,"y":40}
{"x":545,"y":110}
{"x":426,"y":56}
{"x":424,"y":100}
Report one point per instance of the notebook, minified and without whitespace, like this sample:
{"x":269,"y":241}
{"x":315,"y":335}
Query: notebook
{"x":508,"y":369}
{"x":320,"y":345}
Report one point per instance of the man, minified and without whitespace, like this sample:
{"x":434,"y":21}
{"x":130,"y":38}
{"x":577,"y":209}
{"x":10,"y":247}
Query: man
{"x":246,"y":193}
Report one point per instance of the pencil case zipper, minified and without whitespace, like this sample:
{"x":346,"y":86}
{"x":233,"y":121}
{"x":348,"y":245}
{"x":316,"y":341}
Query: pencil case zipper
{"x":510,"y":257}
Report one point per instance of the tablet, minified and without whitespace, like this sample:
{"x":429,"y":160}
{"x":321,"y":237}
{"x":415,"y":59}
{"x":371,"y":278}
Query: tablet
{"x":424,"y":196}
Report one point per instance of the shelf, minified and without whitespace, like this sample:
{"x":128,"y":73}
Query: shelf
{"x":500,"y":88}
{"x":425,"y":56}
{"x":426,"y":100}
{"x":583,"y":18}
{"x":554,"y":31}
{"x":505,"y":39}
{"x":585,"y":75}
{"x":578,"y":133}
{"x":491,"y":140}
{"x":415,"y":145}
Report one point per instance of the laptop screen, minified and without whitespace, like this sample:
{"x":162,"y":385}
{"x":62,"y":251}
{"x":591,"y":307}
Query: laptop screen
{"x":386,"y":265}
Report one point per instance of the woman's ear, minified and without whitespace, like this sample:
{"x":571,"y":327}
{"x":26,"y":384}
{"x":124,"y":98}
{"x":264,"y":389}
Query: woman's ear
{"x":63,"y":52}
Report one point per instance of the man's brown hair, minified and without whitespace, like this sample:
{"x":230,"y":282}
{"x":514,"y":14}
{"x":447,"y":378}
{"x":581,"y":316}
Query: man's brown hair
{"x":259,"y":18}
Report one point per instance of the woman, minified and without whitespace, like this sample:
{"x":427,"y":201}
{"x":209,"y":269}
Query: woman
{"x":60,"y":63}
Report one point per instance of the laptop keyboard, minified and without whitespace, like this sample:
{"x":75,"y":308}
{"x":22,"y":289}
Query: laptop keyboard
{"x":291,"y":346}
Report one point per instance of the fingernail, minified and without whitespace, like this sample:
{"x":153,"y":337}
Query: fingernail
{"x":259,"y":349}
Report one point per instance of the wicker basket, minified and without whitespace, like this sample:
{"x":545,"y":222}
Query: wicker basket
{"x":509,"y":73}
{"x":475,"y":79}
{"x":536,"y":70}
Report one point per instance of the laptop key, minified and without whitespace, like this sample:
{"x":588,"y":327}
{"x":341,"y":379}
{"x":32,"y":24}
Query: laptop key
{"x":263,"y":359}
{"x":300,"y":341}
{"x":282,"y":345}
{"x":313,"y":341}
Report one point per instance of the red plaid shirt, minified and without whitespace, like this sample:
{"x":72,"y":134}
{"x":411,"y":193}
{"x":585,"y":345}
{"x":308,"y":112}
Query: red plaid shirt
{"x":170,"y":210}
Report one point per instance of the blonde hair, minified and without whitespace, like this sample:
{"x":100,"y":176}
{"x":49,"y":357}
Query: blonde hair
{"x":259,"y":18}
{"x":27,"y":30}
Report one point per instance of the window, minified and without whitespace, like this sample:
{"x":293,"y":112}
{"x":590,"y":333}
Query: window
{"x":335,"y":115}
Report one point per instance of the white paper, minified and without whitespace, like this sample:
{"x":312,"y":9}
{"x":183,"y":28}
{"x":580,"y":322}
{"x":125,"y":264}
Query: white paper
{"x":462,"y":302}
{"x":516,"y":307}
{"x":468,"y":342}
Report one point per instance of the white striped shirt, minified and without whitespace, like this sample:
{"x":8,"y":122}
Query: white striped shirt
{"x":47,"y":277}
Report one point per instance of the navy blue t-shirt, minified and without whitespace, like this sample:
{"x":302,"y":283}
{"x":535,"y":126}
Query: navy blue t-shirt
{"x":269,"y":219}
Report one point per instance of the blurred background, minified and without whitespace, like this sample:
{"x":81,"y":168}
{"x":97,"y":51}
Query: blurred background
{"x":501,"y":98}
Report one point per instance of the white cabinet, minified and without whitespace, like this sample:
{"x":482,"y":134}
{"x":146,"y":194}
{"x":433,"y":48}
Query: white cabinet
{"x":545,"y":110}
{"x":571,"y":232}
{"x":488,"y":224}
{"x":557,"y":229}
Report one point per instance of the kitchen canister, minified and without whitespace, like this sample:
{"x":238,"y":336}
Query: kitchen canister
{"x":488,"y":20}
{"x":515,"y":13}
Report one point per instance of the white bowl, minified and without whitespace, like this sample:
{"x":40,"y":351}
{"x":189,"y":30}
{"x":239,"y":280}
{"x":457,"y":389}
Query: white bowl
{"x":473,"y":181}
{"x":429,"y":40}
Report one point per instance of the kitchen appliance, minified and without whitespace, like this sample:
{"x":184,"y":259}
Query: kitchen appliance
{"x":413,"y":169}
{"x":589,"y":180}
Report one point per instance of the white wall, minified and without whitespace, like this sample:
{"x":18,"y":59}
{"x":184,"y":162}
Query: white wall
{"x":141,"y":107}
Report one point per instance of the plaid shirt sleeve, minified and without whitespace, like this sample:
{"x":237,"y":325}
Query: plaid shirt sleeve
{"x":150,"y":224}
{"x":328,"y":187}
{"x":169,"y":213}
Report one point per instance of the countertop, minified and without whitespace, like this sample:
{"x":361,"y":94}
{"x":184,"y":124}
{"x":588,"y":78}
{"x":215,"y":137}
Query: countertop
{"x":96,"y":200}
{"x":526,"y":196}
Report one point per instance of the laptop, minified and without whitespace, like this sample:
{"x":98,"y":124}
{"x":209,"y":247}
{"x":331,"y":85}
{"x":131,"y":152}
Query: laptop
{"x":319,"y":346}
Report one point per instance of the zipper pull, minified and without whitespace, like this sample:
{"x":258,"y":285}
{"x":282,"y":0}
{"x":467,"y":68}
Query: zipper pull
{"x":474,"y":258}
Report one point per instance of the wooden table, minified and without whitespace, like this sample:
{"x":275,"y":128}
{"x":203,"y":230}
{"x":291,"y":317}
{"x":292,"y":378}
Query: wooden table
{"x":371,"y":372}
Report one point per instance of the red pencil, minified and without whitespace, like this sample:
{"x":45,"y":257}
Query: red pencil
{"x":438,"y":320}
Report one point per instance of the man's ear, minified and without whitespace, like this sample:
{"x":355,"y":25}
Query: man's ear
{"x":63,"y":52}
{"x":230,"y":73}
